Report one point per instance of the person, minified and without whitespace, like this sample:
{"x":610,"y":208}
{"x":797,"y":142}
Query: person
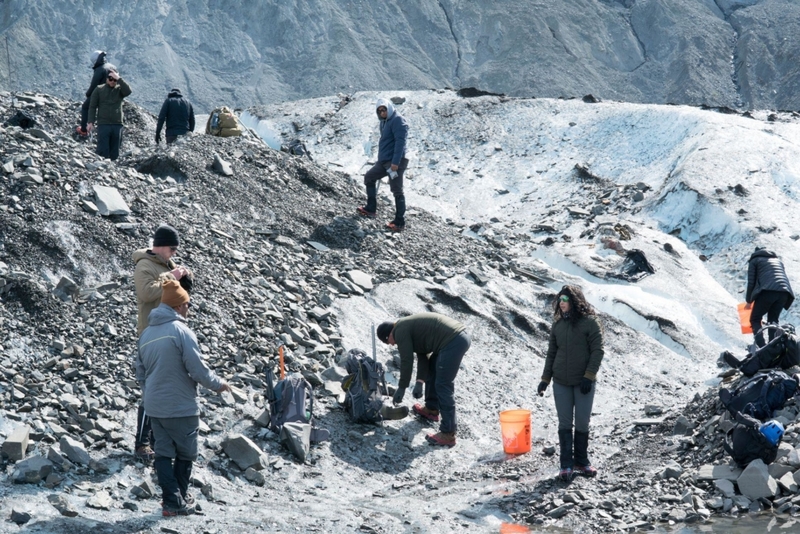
{"x":768,"y":291}
{"x":101,"y":67}
{"x":446,"y":341}
{"x":391,"y":162}
{"x":178,"y":113}
{"x":169,"y":367}
{"x":105,"y":107}
{"x":573,"y":359}
{"x":152,"y":267}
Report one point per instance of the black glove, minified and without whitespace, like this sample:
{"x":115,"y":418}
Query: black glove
{"x":417,"y":391}
{"x":187,"y":282}
{"x":586,"y":385}
{"x":398,"y":395}
{"x":542,"y":387}
{"x":158,"y":139}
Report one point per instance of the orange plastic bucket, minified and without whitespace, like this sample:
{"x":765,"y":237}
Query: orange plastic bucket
{"x":744,"y":317}
{"x":515,"y":425}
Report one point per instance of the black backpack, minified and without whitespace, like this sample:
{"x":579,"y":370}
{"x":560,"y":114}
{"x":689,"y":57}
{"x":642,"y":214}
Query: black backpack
{"x":760,"y":395}
{"x":23,"y":119}
{"x":745,"y":443}
{"x":364,"y":386}
{"x":782,"y":352}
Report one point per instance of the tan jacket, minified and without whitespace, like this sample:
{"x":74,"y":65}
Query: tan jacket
{"x":151,"y":271}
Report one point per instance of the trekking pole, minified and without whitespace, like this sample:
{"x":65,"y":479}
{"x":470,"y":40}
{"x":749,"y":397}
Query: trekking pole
{"x":374,"y":345}
{"x":280,"y":362}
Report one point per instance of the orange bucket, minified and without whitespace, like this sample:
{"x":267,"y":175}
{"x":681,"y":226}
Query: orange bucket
{"x":515,"y":425}
{"x":744,"y":317}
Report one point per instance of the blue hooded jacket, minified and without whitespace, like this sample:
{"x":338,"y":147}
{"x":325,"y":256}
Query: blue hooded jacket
{"x":394,"y":133}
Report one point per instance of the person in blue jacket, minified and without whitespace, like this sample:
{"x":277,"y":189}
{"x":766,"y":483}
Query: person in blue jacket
{"x":391,"y":162}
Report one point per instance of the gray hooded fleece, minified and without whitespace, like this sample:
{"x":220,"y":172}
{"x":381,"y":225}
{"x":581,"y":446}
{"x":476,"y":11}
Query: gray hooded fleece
{"x":170,"y":365}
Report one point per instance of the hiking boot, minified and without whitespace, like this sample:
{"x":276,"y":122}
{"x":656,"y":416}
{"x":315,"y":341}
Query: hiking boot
{"x":442,"y":439}
{"x":422,"y":411}
{"x":730,"y":359}
{"x":394,"y":227}
{"x":145,"y":454}
{"x":168,"y":511}
{"x":394,"y":413}
{"x":565,"y":474}
{"x":585,"y":470}
{"x":81,"y":132}
{"x":365,"y":213}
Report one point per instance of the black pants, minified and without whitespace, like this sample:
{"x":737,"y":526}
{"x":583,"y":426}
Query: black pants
{"x":84,"y":114}
{"x":770,"y":303}
{"x":109,"y":137}
{"x":378,"y":171}
{"x":440,"y":382}
{"x":144,"y":435}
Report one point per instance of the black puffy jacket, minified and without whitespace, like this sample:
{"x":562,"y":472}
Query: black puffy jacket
{"x":101,"y":70}
{"x":765,"y":272}
{"x":178,"y":114}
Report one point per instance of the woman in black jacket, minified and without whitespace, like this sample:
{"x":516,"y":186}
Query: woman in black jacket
{"x":573,"y":359}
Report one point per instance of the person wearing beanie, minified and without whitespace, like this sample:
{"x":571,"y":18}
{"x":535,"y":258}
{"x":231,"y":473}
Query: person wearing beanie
{"x":153,"y":267}
{"x":441,"y":342}
{"x":100,"y":70}
{"x":178,"y":113}
{"x":168,"y":368}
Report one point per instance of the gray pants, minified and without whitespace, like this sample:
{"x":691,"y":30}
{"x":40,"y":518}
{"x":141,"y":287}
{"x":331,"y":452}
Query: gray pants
{"x":571,"y":405}
{"x":176,"y":437}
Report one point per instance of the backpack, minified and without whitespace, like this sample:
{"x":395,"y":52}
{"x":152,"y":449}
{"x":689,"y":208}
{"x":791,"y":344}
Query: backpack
{"x":223,"y":122}
{"x":760,"y":395}
{"x":23,"y":119}
{"x":364,"y":386}
{"x":296,"y":148}
{"x":291,"y":407}
{"x":745,"y":443}
{"x":782,"y":352}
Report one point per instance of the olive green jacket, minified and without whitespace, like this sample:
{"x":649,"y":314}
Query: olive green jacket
{"x":423,"y":334}
{"x":151,"y":271}
{"x":574,"y":352}
{"x":105,"y":105}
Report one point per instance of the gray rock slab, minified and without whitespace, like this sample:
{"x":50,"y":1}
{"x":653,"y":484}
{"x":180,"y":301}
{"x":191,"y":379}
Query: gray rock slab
{"x":19,"y":517}
{"x":244,"y":452}
{"x":100,"y":500}
{"x":755,"y":482}
{"x":66,"y":289}
{"x":109,"y":201}
{"x":222,"y":166}
{"x":776,"y":471}
{"x":74,"y":450}
{"x":672,"y":470}
{"x":787,"y":483}
{"x":33,"y":470}
{"x":361,"y":279}
{"x":716,"y":472}
{"x":16,"y":445}
{"x":725,"y":487}
{"x":313,"y":244}
{"x":61,"y":504}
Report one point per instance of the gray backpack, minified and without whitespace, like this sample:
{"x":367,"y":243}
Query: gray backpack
{"x":364,"y":386}
{"x":291,"y":407}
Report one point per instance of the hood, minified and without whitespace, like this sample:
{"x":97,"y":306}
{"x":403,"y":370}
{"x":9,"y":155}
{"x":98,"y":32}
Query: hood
{"x":763,"y":253}
{"x":97,"y":58}
{"x":163,"y":314}
{"x":175,"y":93}
{"x":388,"y":105}
{"x":146,"y":254}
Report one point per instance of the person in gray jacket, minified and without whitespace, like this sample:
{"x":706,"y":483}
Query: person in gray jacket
{"x":168,"y":369}
{"x":768,"y":291}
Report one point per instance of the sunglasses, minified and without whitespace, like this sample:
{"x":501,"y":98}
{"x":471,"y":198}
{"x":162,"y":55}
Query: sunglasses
{"x":564,"y":298}
{"x":381,"y":110}
{"x":173,"y":249}
{"x":111,"y":80}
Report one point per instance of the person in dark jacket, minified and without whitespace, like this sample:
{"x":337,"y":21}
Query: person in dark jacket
{"x":768,"y":290}
{"x":391,"y":162}
{"x":178,"y":113}
{"x":105,"y":107}
{"x":573,"y":359}
{"x":444,"y":341}
{"x":168,"y":368}
{"x":101,"y":68}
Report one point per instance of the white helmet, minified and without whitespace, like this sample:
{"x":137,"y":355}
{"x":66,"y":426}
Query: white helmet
{"x":93,"y":58}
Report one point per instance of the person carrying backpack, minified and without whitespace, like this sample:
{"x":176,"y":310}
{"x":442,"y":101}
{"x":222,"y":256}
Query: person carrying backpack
{"x":446,"y":340}
{"x":574,"y":354}
{"x":392,"y":162}
{"x":178,"y":113}
{"x":768,"y":291}
{"x":101,"y":68}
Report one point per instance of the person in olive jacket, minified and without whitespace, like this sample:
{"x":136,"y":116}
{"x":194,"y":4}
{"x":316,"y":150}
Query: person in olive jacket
{"x":440,"y":342}
{"x":768,"y":291}
{"x":105,"y":107}
{"x":573,"y":359}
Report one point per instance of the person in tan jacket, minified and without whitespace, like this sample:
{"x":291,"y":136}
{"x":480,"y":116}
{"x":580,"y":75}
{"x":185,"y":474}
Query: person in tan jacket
{"x":153,"y":267}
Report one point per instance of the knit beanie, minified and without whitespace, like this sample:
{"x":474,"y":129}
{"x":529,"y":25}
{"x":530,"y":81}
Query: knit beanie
{"x":384,"y":329}
{"x":166,"y":236}
{"x":173,"y":295}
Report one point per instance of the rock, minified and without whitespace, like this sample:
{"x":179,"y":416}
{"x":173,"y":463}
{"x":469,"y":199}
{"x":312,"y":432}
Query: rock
{"x":20,"y":518}
{"x":479,"y":276}
{"x":61,"y":504}
{"x":672,"y":470}
{"x":244,"y":452}
{"x":787,"y":483}
{"x":652,"y":409}
{"x":101,"y":500}
{"x":33,"y":470}
{"x":109,"y":201}
{"x":755,"y":482}
{"x":683,"y":426}
{"x":638,"y":196}
{"x":318,"y":246}
{"x":256,"y":477}
{"x":717,"y":472}
{"x":66,"y":289}
{"x":222,"y":166}
{"x":145,"y":490}
{"x":793,"y":458}
{"x":334,"y":373}
{"x":74,"y":450}
{"x":16,"y":445}
{"x":725,"y":487}
{"x":776,"y":471}
{"x":560,"y":511}
{"x":263,"y":419}
{"x":361,"y":279}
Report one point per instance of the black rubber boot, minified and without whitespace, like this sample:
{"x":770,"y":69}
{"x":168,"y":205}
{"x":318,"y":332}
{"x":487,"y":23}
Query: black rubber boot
{"x":170,"y":490}
{"x":372,"y":198}
{"x":565,"y":442}
{"x":183,"y":475}
{"x":582,"y":448}
{"x":400,"y":210}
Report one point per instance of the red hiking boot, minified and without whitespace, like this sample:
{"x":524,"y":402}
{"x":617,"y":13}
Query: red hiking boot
{"x":81,"y":132}
{"x":442,"y":439}
{"x":364,"y":213}
{"x":422,"y":411}
{"x":395,"y":227}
